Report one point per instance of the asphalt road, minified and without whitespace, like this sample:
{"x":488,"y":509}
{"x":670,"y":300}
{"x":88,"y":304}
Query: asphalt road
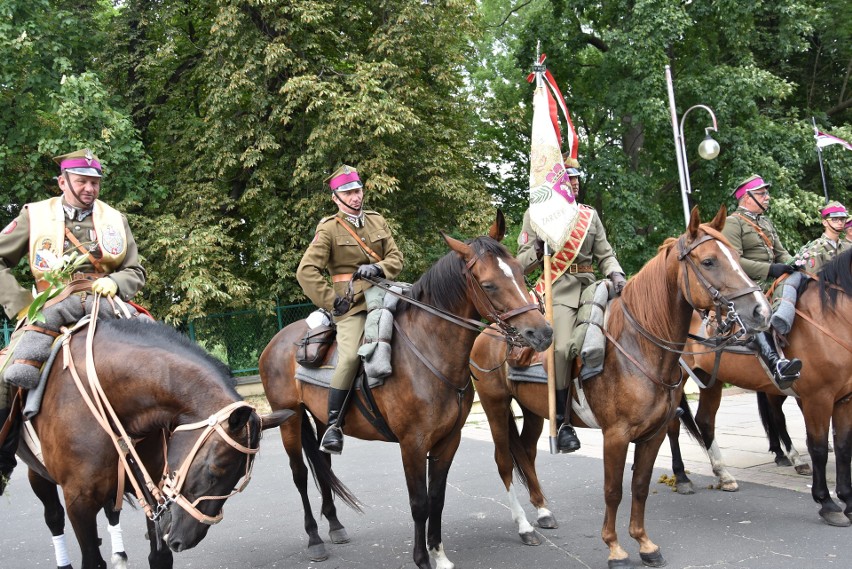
{"x":758,"y":527}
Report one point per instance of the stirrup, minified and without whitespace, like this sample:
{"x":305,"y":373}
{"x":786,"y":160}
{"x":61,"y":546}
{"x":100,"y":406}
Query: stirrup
{"x":787,"y":372}
{"x":571,"y":442}
{"x":332,"y":440}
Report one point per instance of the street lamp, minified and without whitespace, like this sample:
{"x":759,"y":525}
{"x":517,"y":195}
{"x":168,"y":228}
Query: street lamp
{"x":708,"y":149}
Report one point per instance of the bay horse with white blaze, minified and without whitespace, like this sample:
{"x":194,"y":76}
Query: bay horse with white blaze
{"x":428,"y":396}
{"x":822,"y":338}
{"x":640,"y":387}
{"x":158,"y":392}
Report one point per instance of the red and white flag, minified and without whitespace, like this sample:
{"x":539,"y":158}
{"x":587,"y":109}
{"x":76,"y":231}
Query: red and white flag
{"x":823,"y":140}
{"x":553,"y":206}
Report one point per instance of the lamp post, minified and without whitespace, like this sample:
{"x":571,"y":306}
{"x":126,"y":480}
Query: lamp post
{"x":708,"y":149}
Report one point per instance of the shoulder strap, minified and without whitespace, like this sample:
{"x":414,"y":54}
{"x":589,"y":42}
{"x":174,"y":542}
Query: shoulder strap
{"x":363,"y":245}
{"x":757,"y":228}
{"x":74,"y":241}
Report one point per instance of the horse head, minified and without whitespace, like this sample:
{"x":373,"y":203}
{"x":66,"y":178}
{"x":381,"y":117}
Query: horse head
{"x":712,"y":279}
{"x":497,"y":289}
{"x":207,"y":460}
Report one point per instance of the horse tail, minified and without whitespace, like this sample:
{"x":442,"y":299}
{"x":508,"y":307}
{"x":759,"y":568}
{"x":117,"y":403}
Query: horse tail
{"x":687,"y":419}
{"x":774,"y":433}
{"x":321,"y":467}
{"x":516,"y":449}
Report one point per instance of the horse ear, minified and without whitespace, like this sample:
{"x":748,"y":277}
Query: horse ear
{"x":276,"y":418}
{"x":498,"y":228}
{"x":718,"y":222}
{"x":239,"y":417}
{"x":694,"y":222}
{"x":464,"y":250}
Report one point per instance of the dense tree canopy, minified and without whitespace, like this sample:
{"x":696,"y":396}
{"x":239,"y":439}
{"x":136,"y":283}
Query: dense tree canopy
{"x":218,"y":120}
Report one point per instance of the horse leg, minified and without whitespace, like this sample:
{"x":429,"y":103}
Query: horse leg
{"x":615,"y":455}
{"x":705,"y":418}
{"x":801,"y":466}
{"x":414,"y":465}
{"x":440,"y":461}
{"x":501,"y":421}
{"x":817,"y":419}
{"x":54,"y":516}
{"x":336,"y":531}
{"x":119,"y":556}
{"x":842,"y":419}
{"x":533,"y":425}
{"x":159,"y":556}
{"x":643,"y":465}
{"x":82,"y":511}
{"x":772,"y":424}
{"x":683,"y":485}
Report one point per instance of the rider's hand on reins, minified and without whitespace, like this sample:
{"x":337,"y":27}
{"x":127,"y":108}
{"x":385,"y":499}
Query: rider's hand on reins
{"x":369,"y":271}
{"x":105,"y":286}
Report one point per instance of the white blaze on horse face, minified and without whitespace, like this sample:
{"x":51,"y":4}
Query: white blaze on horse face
{"x":738,"y":269}
{"x":507,"y":270}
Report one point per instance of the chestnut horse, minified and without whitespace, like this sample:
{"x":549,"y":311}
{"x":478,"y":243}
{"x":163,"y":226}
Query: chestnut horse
{"x":640,"y":387}
{"x":428,"y":396}
{"x":822,"y":338}
{"x":163,"y":390}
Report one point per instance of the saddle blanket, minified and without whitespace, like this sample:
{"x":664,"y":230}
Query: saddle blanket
{"x":535,"y":374}
{"x":321,"y":376}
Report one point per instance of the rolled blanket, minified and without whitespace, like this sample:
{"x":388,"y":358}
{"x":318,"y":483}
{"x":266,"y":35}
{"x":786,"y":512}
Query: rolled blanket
{"x":376,"y":351}
{"x":784,"y":303}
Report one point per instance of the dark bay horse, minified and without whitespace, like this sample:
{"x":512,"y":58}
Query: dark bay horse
{"x":163,"y":390}
{"x":428,"y":396}
{"x":640,"y":387}
{"x":822,"y":338}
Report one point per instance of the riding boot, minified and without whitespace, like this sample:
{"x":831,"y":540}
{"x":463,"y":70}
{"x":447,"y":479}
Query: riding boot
{"x":8,"y":447}
{"x":332,"y":440}
{"x":784,"y":371}
{"x":566,"y":437}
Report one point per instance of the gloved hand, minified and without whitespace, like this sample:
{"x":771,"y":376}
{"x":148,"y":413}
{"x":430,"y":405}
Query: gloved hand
{"x":538,"y":247}
{"x":778,"y":269}
{"x":105,"y":286}
{"x":369,"y":271}
{"x":341,"y":305}
{"x":618,"y":281}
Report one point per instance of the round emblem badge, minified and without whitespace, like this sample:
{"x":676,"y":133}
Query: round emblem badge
{"x":111,"y":240}
{"x":525,"y":237}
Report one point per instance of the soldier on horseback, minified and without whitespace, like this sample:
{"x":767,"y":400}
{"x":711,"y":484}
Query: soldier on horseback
{"x":44,"y":231}
{"x":831,"y":243}
{"x":573,"y":274}
{"x":353,"y":243}
{"x":764,"y":259}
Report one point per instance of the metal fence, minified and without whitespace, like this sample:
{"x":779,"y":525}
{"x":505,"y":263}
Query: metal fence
{"x":236,"y":338}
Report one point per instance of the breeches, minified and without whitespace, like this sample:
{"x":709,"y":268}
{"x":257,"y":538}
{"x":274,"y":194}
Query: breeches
{"x":564,"y":320}
{"x":350,"y":332}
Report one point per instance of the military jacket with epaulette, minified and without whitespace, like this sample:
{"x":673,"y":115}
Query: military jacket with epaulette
{"x":336,"y":253}
{"x":813,"y":256}
{"x":756,"y":240}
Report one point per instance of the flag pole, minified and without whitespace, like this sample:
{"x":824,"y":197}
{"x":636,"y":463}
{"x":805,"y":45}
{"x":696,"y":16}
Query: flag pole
{"x":821,"y":168}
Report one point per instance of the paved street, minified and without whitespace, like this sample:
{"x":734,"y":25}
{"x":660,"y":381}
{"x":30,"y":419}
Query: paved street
{"x":770,"y":523}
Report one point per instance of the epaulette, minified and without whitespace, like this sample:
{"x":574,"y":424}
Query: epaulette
{"x":371,"y":212}
{"x":326,"y":219}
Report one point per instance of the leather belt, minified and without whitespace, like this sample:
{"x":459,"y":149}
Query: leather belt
{"x":574,"y":269}
{"x":341,"y":278}
{"x":41,"y":285}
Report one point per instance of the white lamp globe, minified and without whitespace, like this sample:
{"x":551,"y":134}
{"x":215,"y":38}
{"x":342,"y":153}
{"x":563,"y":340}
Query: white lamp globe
{"x":709,"y":148}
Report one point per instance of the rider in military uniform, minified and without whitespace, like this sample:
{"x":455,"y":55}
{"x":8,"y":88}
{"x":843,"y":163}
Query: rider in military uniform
{"x":43,"y":232}
{"x":764,"y":259}
{"x":848,"y":230}
{"x":353,"y":243}
{"x":831,"y":243}
{"x":572,"y":273}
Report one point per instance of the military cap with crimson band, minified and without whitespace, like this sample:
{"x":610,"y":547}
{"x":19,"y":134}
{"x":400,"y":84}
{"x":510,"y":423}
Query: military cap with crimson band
{"x":833,"y":210}
{"x":749,"y":184}
{"x":344,"y":179}
{"x":82,"y":162}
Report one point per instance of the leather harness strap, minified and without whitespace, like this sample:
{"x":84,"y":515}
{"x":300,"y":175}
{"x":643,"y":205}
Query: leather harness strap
{"x":74,"y":241}
{"x":758,"y":229}
{"x":358,"y":240}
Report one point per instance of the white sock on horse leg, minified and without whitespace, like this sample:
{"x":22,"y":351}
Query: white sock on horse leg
{"x":61,"y":551}
{"x":116,"y":538}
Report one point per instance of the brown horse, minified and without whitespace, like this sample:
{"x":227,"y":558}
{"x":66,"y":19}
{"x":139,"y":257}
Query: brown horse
{"x":639,"y":389}
{"x":822,"y":338}
{"x":428,"y":396}
{"x":164,"y":390}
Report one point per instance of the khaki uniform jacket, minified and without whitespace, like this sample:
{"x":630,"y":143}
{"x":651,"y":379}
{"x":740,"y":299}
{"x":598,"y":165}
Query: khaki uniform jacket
{"x":813,"y":256}
{"x":595,"y":249}
{"x":335,"y":251}
{"x":15,"y":245}
{"x":755,"y":254}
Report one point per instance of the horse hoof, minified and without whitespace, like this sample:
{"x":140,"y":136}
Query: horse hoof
{"x":804,"y":470}
{"x":653,"y":559}
{"x":119,"y":560}
{"x":782,"y":461}
{"x":832,"y":518}
{"x":731,"y":486}
{"x":338,"y":535}
{"x":685,"y":488}
{"x":620,"y":563}
{"x":317,"y":552}
{"x":530,"y":538}
{"x":547,"y":522}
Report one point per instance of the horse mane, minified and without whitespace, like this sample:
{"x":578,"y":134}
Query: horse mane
{"x":642,"y":297}
{"x":144,"y":334}
{"x":442,"y":286}
{"x":834,"y":275}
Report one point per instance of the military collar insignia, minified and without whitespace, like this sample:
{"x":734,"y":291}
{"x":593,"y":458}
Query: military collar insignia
{"x":75,"y":214}
{"x":748,"y":213}
{"x":356,"y":220}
